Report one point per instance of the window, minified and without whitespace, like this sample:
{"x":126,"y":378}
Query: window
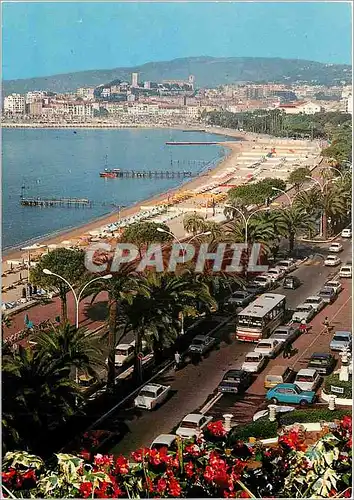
{"x":147,"y":394}
{"x":304,"y":378}
{"x":189,"y":425}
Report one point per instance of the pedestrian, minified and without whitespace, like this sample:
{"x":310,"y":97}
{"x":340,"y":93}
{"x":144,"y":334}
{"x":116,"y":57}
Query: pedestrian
{"x":287,"y":350}
{"x":177,"y":360}
{"x":326,"y":324}
{"x":303,"y":326}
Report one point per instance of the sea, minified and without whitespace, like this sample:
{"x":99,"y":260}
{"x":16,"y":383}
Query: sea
{"x":57,"y":163}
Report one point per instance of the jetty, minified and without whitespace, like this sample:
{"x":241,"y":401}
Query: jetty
{"x":143,"y":174}
{"x":55,"y":202}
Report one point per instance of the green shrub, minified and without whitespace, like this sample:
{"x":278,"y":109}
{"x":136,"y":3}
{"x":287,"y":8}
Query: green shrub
{"x":262,"y":428}
{"x":312,"y":415}
{"x":334,"y":380}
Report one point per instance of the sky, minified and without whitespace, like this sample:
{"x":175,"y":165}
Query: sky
{"x":42,"y":39}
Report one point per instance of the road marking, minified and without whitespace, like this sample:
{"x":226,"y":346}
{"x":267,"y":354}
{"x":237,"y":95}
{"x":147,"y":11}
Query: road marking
{"x":211,"y":403}
{"x":320,"y":333}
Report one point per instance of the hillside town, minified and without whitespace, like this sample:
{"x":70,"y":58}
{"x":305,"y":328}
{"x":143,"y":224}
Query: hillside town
{"x":171,"y":102}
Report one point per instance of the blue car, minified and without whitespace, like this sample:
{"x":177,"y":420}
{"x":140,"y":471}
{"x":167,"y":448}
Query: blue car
{"x":290,"y":393}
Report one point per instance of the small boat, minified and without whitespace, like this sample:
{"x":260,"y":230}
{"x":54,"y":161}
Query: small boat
{"x":110,"y":173}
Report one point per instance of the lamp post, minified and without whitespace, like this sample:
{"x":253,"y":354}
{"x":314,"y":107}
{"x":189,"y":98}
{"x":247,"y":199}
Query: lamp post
{"x":333,"y":168}
{"x":323,"y":219}
{"x":246,"y":220}
{"x":205,"y":233}
{"x":77,"y":298}
{"x":285,"y":193}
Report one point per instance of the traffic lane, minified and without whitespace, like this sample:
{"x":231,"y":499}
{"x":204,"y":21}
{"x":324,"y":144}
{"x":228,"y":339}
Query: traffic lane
{"x":190,"y":387}
{"x":244,"y":406}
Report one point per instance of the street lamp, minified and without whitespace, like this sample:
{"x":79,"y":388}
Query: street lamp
{"x":334,"y":168}
{"x":77,"y":297}
{"x":285,"y":193}
{"x":246,"y":220}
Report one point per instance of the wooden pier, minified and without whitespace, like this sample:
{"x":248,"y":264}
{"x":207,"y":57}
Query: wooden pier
{"x":56,"y":202}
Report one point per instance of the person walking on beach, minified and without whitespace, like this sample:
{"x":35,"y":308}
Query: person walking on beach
{"x":326,"y":324}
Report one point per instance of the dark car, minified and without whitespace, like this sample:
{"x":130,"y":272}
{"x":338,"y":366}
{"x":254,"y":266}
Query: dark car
{"x":241,"y":298}
{"x":254,"y":288}
{"x":323,"y":362}
{"x":291,"y":282}
{"x":328,"y":294}
{"x":235,"y":381}
{"x":201,"y":344}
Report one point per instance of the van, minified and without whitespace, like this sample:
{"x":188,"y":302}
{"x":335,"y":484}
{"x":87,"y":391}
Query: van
{"x":277,"y":375}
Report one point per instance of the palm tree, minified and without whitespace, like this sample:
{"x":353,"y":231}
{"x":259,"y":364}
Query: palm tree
{"x":65,"y":344}
{"x":154,"y":306}
{"x":115,"y":287}
{"x":293,"y":221}
{"x":38,"y":394}
{"x":194,"y":223}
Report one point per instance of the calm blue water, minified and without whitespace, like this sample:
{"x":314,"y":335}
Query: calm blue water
{"x":61,"y":163}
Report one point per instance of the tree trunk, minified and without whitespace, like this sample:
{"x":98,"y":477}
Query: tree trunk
{"x":324,"y":225}
{"x":291,"y":242}
{"x":138,"y":367}
{"x":112,"y":320}
{"x":64,"y":307}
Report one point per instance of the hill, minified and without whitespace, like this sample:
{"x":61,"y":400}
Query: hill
{"x":208,"y":72}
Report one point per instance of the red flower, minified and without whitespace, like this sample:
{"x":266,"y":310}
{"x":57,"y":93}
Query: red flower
{"x":347,"y":423}
{"x":216,"y":428}
{"x":293,"y":440}
{"x":7,"y":476}
{"x":141,"y":454}
{"x":189,"y":468}
{"x":103,"y":460}
{"x":29,"y":474}
{"x":156,"y":457}
{"x":86,"y":489}
{"x":244,"y":494}
{"x":161,"y":485}
{"x":348,"y":493}
{"x":229,"y":494}
{"x":192,"y":449}
{"x":86,"y":455}
{"x":101,"y":492}
{"x":174,"y":488}
{"x":150,"y":485}
{"x":122,"y":465}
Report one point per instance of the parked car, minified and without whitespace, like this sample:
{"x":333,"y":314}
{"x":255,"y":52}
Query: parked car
{"x":285,"y":333}
{"x":192,"y":425}
{"x":265,"y":413}
{"x":288,"y":265}
{"x":303,"y":311}
{"x":241,"y":298}
{"x":235,"y":381}
{"x":290,"y":393}
{"x":164,"y":441}
{"x":291,"y":282}
{"x":151,"y":395}
{"x":124,"y":353}
{"x":263,"y":281}
{"x":275,"y":274}
{"x":254,"y":288}
{"x":268,"y":347}
{"x":316,"y":302}
{"x":341,"y":340}
{"x":346,"y":233}
{"x":308,"y":379}
{"x":345,"y":271}
{"x":327,"y":294}
{"x":336,"y":285}
{"x":201,"y":344}
{"x":332,"y":260}
{"x":335,"y":247}
{"x":254,"y":362}
{"x":323,"y":362}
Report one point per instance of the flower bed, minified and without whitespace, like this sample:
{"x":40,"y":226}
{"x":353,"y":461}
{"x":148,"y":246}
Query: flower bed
{"x":210,"y":466}
{"x":333,"y":380}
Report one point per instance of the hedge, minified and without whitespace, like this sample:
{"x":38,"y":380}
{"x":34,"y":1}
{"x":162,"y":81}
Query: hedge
{"x":262,"y":429}
{"x":312,"y":415}
{"x":334,"y":380}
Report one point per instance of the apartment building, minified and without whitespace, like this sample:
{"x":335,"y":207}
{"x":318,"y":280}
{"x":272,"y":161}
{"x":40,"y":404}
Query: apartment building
{"x":14,"y":104}
{"x":306,"y":108}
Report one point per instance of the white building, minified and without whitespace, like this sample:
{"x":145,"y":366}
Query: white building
{"x":83,"y":110}
{"x":86,"y":93}
{"x":349,"y":104}
{"x":106,"y":92}
{"x":14,"y":103}
{"x":306,"y":108}
{"x":34,"y":96}
{"x":135,"y":79}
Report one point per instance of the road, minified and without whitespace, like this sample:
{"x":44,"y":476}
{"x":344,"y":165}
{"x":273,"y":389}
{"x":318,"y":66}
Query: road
{"x":194,"y":384}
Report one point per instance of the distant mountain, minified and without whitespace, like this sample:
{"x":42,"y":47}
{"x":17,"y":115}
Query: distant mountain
{"x":208,"y":72}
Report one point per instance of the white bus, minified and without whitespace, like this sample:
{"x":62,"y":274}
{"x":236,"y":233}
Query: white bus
{"x":260,"y":317}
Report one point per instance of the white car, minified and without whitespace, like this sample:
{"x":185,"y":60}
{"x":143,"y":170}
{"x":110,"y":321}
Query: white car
{"x":335,"y":247}
{"x":303,"y":311}
{"x":275,"y":273}
{"x":164,"y":441}
{"x":151,"y":395}
{"x":124,"y":353}
{"x":265,"y":413}
{"x":346,"y":233}
{"x":336,"y":285}
{"x":332,"y":260}
{"x":254,"y":362}
{"x":316,"y":302}
{"x":263,"y":281}
{"x":308,"y":379}
{"x":345,"y":271}
{"x":268,"y":347}
{"x":192,"y":425}
{"x":288,"y":265}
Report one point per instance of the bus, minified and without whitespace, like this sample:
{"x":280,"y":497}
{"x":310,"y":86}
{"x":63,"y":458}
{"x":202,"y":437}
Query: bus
{"x":260,"y":317}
